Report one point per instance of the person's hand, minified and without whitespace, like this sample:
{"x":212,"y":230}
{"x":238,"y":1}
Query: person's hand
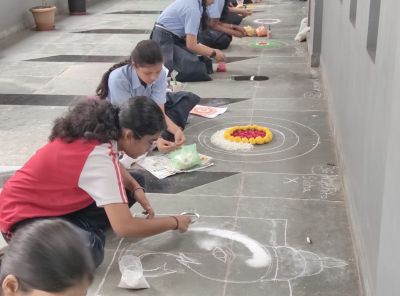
{"x":246,"y":12}
{"x":240,"y":29}
{"x":179,"y":137}
{"x":141,"y":198}
{"x":219,"y":57}
{"x":183,"y":223}
{"x":164,"y":145}
{"x":237,"y":33}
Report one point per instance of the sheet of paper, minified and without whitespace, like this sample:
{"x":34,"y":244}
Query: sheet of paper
{"x":207,"y":111}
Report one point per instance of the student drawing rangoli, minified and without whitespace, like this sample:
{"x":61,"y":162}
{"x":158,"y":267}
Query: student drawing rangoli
{"x":219,"y":254}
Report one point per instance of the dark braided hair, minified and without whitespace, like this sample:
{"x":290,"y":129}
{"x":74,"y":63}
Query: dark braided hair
{"x":204,"y":16}
{"x":225,"y":10}
{"x":102,"y":89}
{"x":146,"y":52}
{"x":100,"y":120}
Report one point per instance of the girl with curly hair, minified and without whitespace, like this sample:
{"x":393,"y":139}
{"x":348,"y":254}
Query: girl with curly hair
{"x":77,"y":175}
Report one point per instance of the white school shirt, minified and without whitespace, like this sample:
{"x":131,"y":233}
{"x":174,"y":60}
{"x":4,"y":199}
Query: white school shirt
{"x":182,"y":17}
{"x":214,"y":11}
{"x":124,"y":83}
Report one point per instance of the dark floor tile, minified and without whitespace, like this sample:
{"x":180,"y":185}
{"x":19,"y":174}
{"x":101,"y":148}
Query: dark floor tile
{"x":38,"y":99}
{"x":238,"y":59}
{"x":105,"y":59}
{"x":116,"y":31}
{"x":136,"y":12}
{"x":81,"y":59}
{"x":181,"y":182}
{"x":216,"y":102}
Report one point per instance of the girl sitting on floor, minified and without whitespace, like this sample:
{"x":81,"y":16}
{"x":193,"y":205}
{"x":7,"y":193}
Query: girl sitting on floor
{"x":222,"y":25}
{"x":144,"y":75}
{"x":176,"y":32}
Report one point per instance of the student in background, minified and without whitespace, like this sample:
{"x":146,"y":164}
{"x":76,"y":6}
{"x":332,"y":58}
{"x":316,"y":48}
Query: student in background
{"x":77,"y":176}
{"x":222,"y":25}
{"x":47,"y":257}
{"x":176,"y":31}
{"x":144,"y":75}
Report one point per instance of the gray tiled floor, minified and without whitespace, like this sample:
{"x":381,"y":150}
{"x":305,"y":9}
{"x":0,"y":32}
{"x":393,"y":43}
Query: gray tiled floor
{"x":261,"y":205}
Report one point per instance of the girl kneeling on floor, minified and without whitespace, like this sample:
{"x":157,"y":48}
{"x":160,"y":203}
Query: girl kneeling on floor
{"x":144,"y":75}
{"x":176,"y":31}
{"x":77,"y":175}
{"x":222,"y":25}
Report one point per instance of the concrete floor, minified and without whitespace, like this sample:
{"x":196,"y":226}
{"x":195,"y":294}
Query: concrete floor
{"x":257,"y":209}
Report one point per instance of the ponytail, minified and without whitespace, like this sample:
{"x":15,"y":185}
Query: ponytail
{"x":204,"y":16}
{"x":146,"y":52}
{"x":225,"y":10}
{"x":102,"y":90}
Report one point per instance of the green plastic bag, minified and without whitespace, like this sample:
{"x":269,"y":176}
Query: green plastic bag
{"x":186,"y":157}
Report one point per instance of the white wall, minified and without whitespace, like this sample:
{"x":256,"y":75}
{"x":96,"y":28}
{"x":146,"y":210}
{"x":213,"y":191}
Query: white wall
{"x":15,"y":15}
{"x":388,"y":262}
{"x":363,"y":96}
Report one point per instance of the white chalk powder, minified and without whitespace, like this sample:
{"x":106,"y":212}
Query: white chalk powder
{"x":260,"y":256}
{"x":218,"y":140}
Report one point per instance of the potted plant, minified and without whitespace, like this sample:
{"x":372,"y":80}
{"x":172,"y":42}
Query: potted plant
{"x":44,"y":16}
{"x":77,"y":7}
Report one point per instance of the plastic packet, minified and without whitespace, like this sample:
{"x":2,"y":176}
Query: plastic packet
{"x":185,"y":158}
{"x":131,"y":273}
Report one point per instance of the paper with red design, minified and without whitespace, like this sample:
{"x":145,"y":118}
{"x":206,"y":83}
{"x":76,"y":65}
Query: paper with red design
{"x":207,"y":111}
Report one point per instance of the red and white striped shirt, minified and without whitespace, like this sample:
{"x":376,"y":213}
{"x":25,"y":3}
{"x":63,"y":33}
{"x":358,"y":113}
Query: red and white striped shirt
{"x":61,"y":178}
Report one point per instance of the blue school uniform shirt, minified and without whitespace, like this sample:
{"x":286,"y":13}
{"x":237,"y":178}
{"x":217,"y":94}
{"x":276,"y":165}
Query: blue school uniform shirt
{"x":124,"y":83}
{"x":182,"y":17}
{"x":215,"y":10}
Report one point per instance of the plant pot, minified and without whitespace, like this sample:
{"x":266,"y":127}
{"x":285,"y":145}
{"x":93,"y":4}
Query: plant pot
{"x":77,"y":7}
{"x":44,"y":17}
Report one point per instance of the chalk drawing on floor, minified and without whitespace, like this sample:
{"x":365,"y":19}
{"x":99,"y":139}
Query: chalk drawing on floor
{"x":229,"y":256}
{"x":267,"y":21}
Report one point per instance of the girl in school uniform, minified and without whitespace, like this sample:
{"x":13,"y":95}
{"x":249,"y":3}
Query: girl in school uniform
{"x":77,"y":176}
{"x":176,"y":32}
{"x":144,"y":75}
{"x":47,"y":257}
{"x":222,"y":25}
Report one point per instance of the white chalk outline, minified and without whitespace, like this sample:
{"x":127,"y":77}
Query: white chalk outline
{"x":256,"y":119}
{"x":267,"y":21}
{"x":266,"y":277}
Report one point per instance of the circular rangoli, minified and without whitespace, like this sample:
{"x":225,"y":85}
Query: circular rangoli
{"x":266,"y":44}
{"x":242,"y":137}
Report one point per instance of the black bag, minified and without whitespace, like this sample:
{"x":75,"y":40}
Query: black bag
{"x":177,"y":108}
{"x":215,"y":39}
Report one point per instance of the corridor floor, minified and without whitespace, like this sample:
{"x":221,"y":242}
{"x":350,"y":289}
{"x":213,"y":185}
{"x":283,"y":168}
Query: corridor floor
{"x":273,"y":221}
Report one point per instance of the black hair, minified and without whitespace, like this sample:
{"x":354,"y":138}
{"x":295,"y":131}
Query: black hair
{"x":100,"y":120}
{"x":146,"y":52}
{"x":48,"y":255}
{"x":225,"y":9}
{"x":204,"y":16}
